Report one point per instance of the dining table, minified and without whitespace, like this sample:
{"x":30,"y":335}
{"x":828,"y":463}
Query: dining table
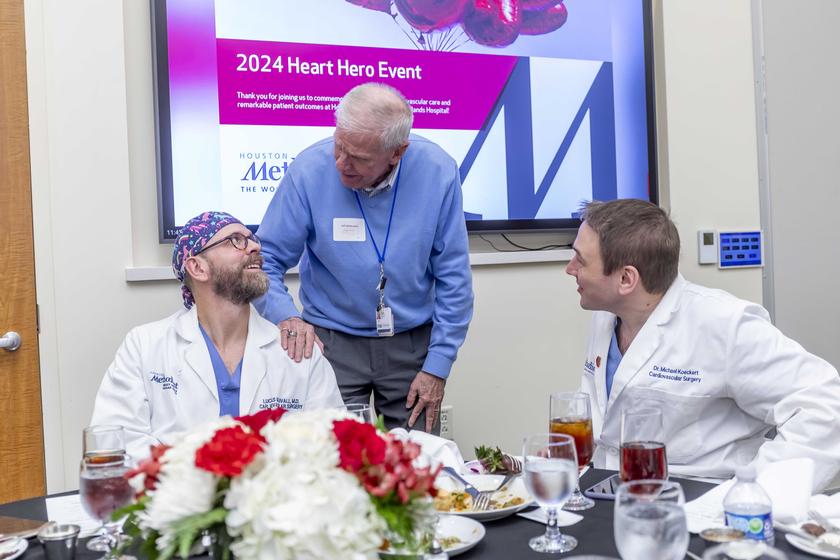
{"x":505,"y":539}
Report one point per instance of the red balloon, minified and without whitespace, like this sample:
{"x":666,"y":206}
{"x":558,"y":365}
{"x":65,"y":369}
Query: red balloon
{"x":545,"y":21}
{"x":378,"y":5}
{"x":536,"y":4}
{"x":494,"y":23}
{"x":426,"y":15}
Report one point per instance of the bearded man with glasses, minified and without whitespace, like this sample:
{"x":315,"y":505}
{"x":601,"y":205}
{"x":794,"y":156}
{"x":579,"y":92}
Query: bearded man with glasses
{"x":215,"y":357}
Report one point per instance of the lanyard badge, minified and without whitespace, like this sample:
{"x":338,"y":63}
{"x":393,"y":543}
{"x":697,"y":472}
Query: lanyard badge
{"x":384,"y":316}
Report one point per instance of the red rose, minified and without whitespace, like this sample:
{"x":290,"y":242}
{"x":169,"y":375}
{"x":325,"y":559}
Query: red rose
{"x":258,"y":420}
{"x":358,"y":445}
{"x":229,"y":452}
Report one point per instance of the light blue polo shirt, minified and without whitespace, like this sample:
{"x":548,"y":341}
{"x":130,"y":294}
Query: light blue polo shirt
{"x":226,"y":384}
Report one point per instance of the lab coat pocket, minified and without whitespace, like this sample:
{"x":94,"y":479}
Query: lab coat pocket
{"x":680,"y":416}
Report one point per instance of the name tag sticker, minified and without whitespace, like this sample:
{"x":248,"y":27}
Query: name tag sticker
{"x":348,"y":229}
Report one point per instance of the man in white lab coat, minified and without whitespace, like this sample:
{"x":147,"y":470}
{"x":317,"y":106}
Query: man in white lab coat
{"x":716,"y":367}
{"x":217,"y":356}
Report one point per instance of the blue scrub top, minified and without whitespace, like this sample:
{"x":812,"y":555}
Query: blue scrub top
{"x":227,"y":384}
{"x":613,"y":359}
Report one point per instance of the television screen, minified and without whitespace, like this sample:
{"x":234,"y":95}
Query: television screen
{"x":542,"y":103}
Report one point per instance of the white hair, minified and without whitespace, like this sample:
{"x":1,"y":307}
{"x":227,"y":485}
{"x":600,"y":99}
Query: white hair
{"x":377,"y":109}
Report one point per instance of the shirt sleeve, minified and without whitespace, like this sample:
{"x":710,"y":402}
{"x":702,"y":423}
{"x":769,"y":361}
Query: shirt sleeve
{"x":774,"y":379}
{"x":450,"y":265}
{"x":322,"y":390}
{"x":122,"y":399}
{"x":283,"y":233}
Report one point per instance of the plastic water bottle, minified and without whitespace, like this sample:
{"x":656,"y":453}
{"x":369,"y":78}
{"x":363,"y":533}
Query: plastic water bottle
{"x":748,"y":508}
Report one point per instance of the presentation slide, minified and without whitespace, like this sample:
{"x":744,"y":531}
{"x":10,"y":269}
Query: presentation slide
{"x":542,"y":104}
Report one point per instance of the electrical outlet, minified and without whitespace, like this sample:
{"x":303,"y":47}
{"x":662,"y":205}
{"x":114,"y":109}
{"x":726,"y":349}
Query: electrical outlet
{"x":446,"y":428}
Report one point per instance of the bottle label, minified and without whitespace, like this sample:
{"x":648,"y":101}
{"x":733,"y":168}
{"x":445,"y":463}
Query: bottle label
{"x":758,"y":527}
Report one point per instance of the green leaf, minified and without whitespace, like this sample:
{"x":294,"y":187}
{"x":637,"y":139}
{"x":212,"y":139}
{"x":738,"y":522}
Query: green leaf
{"x":379,"y":423}
{"x":188,"y":529}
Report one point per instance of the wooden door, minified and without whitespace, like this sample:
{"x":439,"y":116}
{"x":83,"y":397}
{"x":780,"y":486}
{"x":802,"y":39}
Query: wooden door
{"x":21,"y":429}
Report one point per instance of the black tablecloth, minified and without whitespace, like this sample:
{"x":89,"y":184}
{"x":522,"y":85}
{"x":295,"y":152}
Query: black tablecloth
{"x":506,"y":539}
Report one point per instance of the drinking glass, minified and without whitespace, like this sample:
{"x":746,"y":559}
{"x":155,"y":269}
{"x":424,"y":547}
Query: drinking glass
{"x":571,"y":414}
{"x":642,"y":445}
{"x":650,"y":520}
{"x":361,"y":411}
{"x":104,"y":489}
{"x":550,"y":467}
{"x":102,"y":444}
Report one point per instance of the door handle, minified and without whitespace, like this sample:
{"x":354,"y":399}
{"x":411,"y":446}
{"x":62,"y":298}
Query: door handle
{"x":10,"y":341}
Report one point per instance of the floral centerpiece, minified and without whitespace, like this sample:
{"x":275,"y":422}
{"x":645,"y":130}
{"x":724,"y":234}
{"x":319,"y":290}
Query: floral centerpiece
{"x":314,"y":484}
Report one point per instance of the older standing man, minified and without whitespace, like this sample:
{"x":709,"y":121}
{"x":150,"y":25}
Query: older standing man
{"x":386,"y":286}
{"x":715,"y":365}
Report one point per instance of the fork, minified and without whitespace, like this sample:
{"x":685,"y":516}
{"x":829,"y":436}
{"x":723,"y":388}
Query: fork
{"x":481,"y":499}
{"x":822,"y":520}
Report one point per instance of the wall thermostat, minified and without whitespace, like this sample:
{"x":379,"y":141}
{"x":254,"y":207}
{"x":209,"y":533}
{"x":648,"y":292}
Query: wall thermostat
{"x":707,"y":246}
{"x":740,"y":249}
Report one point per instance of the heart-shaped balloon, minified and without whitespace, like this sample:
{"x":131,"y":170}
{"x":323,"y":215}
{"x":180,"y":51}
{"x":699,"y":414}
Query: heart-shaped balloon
{"x":378,"y":5}
{"x":544,"y":21}
{"x":536,"y":4}
{"x":427,"y":15}
{"x":494,"y":23}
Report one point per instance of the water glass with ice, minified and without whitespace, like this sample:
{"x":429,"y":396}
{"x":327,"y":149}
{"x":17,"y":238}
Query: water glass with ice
{"x":650,"y":520}
{"x":550,"y":467}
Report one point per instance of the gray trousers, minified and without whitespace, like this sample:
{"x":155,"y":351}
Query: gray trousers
{"x":382,"y":366}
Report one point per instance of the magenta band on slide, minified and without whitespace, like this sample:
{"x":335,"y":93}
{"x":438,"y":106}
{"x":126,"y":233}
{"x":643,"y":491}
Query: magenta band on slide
{"x":272,"y":83}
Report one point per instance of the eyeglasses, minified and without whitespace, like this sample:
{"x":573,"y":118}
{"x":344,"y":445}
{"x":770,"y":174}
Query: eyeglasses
{"x":238,"y":240}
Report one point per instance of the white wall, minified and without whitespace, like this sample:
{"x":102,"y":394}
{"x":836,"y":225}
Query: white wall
{"x":94,"y":197}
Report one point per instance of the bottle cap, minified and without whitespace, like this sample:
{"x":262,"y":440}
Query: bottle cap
{"x":746,"y":473}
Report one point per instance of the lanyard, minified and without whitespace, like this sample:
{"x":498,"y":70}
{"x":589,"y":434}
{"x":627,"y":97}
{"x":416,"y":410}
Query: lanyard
{"x":381,"y":256}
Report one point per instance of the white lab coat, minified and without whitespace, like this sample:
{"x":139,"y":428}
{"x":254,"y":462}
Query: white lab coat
{"x":722,"y":375}
{"x":161,"y":381}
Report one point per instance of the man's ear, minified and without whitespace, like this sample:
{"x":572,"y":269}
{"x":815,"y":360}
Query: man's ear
{"x":197,"y":268}
{"x":398,"y":153}
{"x":629,"y":280}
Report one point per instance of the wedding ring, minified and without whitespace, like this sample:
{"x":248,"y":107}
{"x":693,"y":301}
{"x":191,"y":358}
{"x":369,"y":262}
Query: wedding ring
{"x":292,"y":333}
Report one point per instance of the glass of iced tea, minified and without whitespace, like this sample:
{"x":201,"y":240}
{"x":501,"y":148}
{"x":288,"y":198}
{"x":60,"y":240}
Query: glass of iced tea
{"x":103,"y":489}
{"x":571,"y":414}
{"x":642,"y":445}
{"x":102,"y":445}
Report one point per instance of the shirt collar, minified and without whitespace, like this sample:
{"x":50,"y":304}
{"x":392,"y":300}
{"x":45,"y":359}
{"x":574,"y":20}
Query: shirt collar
{"x":386,"y":183}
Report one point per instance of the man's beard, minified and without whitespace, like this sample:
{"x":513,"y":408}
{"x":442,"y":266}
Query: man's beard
{"x":238,"y":285}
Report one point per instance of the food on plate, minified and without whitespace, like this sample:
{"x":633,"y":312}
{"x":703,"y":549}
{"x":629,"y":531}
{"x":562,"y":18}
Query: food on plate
{"x":461,"y":501}
{"x":497,"y":462}
{"x":813,"y":529}
{"x":831,"y":539}
{"x":449,"y":542}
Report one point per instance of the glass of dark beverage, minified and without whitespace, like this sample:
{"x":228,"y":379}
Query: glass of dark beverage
{"x":102,"y":445}
{"x":571,"y":414}
{"x":642,"y":445}
{"x":103,"y":489}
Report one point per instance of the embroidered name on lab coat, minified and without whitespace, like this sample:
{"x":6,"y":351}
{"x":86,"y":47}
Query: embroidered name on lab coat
{"x":166,"y":382}
{"x":681,"y":375}
{"x":289,"y":403}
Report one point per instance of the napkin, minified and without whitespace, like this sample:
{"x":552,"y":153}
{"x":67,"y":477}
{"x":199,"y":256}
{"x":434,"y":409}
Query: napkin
{"x":787,"y":482}
{"x":564,"y":518}
{"x":440,"y":450}
{"x":69,"y":510}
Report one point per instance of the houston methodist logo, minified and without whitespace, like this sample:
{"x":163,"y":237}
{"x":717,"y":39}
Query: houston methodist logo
{"x":263,"y":171}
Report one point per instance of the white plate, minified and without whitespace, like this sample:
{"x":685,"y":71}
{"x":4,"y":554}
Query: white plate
{"x":515,"y":488}
{"x":807,"y":546}
{"x":14,"y":547}
{"x":468,"y":531}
